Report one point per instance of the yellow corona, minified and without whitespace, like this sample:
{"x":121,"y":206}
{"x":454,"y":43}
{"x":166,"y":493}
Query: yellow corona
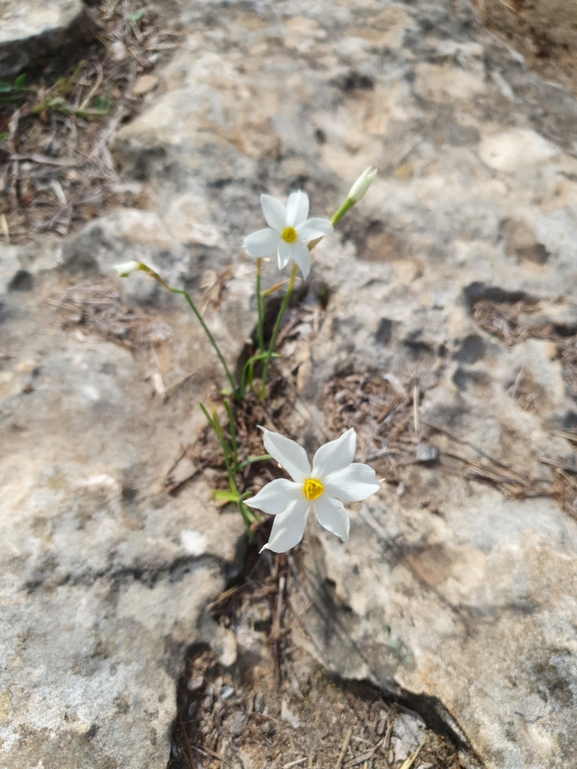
{"x":313,"y":489}
{"x":289,"y":235}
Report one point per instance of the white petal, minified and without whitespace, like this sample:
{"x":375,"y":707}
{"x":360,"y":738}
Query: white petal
{"x":274,"y":212}
{"x":126,"y":268}
{"x":284,"y":253}
{"x":289,"y":527}
{"x":335,"y":455}
{"x":331,"y":514}
{"x":292,"y":457}
{"x":352,"y":484}
{"x":302,"y":257}
{"x":261,"y":243}
{"x":314,"y":228}
{"x":297,"y":208}
{"x":276,"y":496}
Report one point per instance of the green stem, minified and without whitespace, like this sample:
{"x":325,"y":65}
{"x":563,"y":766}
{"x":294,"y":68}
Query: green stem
{"x":248,"y":518}
{"x":192,"y":306}
{"x":232,"y":435}
{"x":276,"y":328}
{"x":341,"y":211}
{"x":211,"y":339}
{"x":215,"y":424}
{"x":260,"y":308}
{"x":335,"y":218}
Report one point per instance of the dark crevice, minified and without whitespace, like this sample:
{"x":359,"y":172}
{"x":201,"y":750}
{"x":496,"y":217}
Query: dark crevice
{"x":477,"y":291}
{"x":147,"y":575}
{"x":335,"y":622}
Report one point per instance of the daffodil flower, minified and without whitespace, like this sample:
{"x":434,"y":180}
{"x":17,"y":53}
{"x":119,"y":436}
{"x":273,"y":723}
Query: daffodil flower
{"x":288,"y":230}
{"x":333,"y":476}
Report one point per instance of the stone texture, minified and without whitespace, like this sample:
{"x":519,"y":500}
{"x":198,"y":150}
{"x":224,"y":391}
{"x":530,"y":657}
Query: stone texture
{"x":466,"y":605}
{"x":30,"y":28}
{"x":104,"y":577}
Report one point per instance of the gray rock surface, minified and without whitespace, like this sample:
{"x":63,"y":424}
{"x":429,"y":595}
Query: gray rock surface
{"x":32,"y":28}
{"x":452,"y":593}
{"x":104,"y":576}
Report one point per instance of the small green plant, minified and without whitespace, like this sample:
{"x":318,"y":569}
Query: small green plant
{"x":229,"y":449}
{"x":16,"y":91}
{"x":100,"y":106}
{"x":293,"y":236}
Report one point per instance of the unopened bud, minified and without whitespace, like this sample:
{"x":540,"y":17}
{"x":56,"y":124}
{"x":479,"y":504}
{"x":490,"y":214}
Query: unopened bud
{"x":126,"y":268}
{"x":360,"y":187}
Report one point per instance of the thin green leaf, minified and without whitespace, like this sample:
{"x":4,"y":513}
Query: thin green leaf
{"x":252,"y":460}
{"x":207,"y":415}
{"x":228,"y":496}
{"x":261,"y":356}
{"x":226,"y":451}
{"x":247,"y":369}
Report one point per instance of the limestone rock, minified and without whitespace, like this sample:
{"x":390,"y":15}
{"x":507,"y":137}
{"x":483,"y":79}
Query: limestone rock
{"x":449,"y":593}
{"x":31,"y":28}
{"x":104,"y":576}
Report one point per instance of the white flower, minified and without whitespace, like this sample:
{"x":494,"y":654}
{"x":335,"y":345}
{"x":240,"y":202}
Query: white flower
{"x":287,"y":230}
{"x":126,"y":268}
{"x":333,"y":476}
{"x":360,"y":187}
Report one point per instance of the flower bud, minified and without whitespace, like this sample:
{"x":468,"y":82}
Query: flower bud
{"x":126,"y":268}
{"x":360,"y":187}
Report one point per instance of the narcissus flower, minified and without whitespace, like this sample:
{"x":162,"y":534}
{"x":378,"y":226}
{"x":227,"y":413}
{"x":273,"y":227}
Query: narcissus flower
{"x":288,"y":230}
{"x":333,"y":476}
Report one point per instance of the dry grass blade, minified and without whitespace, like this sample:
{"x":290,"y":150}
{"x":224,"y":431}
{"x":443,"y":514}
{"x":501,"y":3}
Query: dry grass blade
{"x":383,"y":418}
{"x":408,"y":763}
{"x":508,"y":321}
{"x":346,"y":741}
{"x":207,"y":752}
{"x":99,"y":308}
{"x":559,"y":464}
{"x":363,"y":757}
{"x":43,"y":160}
{"x":564,"y":434}
{"x":5,"y":228}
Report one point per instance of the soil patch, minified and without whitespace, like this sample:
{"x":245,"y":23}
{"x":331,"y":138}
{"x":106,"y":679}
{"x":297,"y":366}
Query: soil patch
{"x":277,"y":708}
{"x":514,"y":321}
{"x":56,"y":172}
